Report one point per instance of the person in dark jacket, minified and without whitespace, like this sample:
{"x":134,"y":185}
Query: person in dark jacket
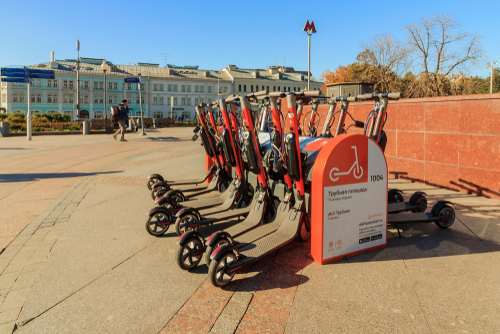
{"x":123,"y":118}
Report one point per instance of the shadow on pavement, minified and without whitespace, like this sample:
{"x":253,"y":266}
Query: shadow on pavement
{"x":38,"y":176}
{"x":165,"y":138}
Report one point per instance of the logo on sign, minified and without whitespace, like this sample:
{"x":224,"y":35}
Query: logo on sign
{"x":356,"y":169}
{"x":373,"y":216}
{"x":309,"y":27}
{"x":335,"y":214}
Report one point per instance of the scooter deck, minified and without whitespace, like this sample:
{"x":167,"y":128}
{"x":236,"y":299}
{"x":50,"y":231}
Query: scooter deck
{"x":206,"y":203}
{"x":191,"y":181}
{"x":409,"y":218}
{"x":269,"y":243}
{"x":251,"y":229}
{"x":230,"y":214}
{"x":189,"y":188}
{"x":400,"y":207}
{"x":226,"y":205}
{"x":211,"y":187}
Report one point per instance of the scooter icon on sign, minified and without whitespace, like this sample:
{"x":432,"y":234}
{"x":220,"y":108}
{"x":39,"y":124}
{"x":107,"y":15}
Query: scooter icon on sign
{"x":358,"y":170}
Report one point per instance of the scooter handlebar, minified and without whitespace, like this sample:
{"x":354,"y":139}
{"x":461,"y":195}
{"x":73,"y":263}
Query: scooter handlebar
{"x":392,"y":96}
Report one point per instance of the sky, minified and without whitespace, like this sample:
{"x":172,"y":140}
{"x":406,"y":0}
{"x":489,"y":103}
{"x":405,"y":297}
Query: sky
{"x":214,"y":34}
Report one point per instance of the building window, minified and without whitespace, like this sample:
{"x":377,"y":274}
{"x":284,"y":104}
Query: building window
{"x":209,"y":89}
{"x":71,"y":84}
{"x":137,"y":100}
{"x":86,"y":100}
{"x":183,"y":88}
{"x":54,"y":99}
{"x":129,"y":86}
{"x":267,"y":88}
{"x":188,"y":101}
{"x":155,"y":87}
{"x":68,"y":112}
{"x":168,"y":101}
{"x":251,"y":88}
{"x":279,"y":89}
{"x":54,"y":83}
{"x":175,"y":101}
{"x":244,"y":88}
{"x":161,"y":87}
{"x":49,"y":98}
{"x":196,"y":102}
{"x":115,"y":85}
{"x":66,"y":99}
{"x":175,"y":88}
{"x":98,"y":114}
{"x":274,"y":88}
{"x":201,"y":100}
{"x":196,"y":89}
{"x":65,"y":83}
{"x":169,"y":88}
{"x":39,"y":98}
{"x":110,"y":99}
{"x":110,"y":85}
{"x":101,"y":85}
{"x":161,"y":100}
{"x":239,"y":88}
{"x":143,"y":87}
{"x":201,"y":89}
{"x":115,"y":100}
{"x":101,"y":100}
{"x":188,"y":88}
{"x":186,"y":115}
{"x":49,"y":83}
{"x":32,"y":98}
{"x":158,"y":114}
{"x":155,"y":100}
{"x":15,"y":98}
{"x":96,"y":85}
{"x":86,"y":84}
{"x":183,"y":101}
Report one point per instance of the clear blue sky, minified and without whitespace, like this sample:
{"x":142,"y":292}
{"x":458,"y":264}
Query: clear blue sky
{"x":213,"y":34}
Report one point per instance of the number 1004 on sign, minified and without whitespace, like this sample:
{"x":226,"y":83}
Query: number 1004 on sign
{"x":375,"y":178}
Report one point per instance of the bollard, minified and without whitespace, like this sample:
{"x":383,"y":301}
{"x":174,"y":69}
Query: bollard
{"x":131,"y":125}
{"x":86,"y":127}
{"x":4,"y":129}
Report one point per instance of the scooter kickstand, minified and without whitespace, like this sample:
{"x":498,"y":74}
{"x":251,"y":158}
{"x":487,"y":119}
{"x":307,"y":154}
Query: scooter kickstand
{"x":397,"y":227}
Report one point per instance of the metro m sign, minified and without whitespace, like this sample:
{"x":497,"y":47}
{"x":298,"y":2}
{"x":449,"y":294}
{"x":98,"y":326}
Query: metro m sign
{"x":309,"y":27}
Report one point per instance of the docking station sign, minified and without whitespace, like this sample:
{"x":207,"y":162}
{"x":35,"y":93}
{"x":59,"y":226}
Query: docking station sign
{"x":349,"y":199}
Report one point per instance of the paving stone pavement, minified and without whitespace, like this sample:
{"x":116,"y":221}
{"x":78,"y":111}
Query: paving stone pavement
{"x":86,"y":265}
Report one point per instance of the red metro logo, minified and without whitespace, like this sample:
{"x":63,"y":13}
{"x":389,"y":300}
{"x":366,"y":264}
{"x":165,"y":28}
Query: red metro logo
{"x":309,"y":27}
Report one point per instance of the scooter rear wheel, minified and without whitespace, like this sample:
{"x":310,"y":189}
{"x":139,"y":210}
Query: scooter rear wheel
{"x":303,"y":234}
{"x":182,"y":224}
{"x":153,"y":178}
{"x":210,"y":249}
{"x":184,"y":256}
{"x":153,"y":223}
{"x":419,"y":199}
{"x":446,"y":211}
{"x":216,"y":270}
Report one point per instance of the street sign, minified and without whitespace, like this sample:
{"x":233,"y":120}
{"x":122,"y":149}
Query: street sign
{"x":41,"y":71}
{"x":15,"y":72}
{"x":132,"y":80}
{"x":42,"y":76}
{"x":12,"y":79}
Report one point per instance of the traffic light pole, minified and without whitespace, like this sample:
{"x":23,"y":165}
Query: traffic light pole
{"x":28,"y":125}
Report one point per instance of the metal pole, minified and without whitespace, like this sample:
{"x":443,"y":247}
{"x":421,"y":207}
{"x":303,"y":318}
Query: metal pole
{"x":309,"y":64}
{"x":491,"y":79}
{"x":140,"y":103}
{"x":78,"y":78}
{"x":28,"y":126}
{"x":105,"y":97}
{"x":171,"y":106}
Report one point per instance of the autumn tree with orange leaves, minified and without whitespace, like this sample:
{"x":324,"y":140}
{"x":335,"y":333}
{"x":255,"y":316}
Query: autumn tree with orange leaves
{"x":341,"y":74}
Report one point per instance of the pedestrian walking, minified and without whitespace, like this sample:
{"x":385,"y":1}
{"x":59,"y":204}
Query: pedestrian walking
{"x":123,"y":118}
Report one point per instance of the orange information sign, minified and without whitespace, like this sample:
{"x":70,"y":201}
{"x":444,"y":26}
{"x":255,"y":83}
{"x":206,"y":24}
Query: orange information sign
{"x":349,"y":199}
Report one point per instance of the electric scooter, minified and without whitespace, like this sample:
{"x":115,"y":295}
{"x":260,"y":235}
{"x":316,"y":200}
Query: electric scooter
{"x":228,"y":258}
{"x":442,"y":213}
{"x":221,"y":177}
{"x":191,"y":219}
{"x":161,"y":217}
{"x":192,"y":244}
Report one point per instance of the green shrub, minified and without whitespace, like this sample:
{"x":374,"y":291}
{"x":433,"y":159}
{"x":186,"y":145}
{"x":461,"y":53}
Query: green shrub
{"x":16,"y":117}
{"x":4,"y":116}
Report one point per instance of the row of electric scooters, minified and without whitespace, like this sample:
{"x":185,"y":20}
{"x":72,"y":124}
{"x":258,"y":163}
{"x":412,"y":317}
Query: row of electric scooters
{"x":245,"y":179}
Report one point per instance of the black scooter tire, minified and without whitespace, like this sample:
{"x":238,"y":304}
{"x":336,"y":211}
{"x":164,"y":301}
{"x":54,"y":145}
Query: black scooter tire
{"x":155,"y":232}
{"x":179,"y":229}
{"x":179,"y":254}
{"x":210,"y":249}
{"x":446,"y":211}
{"x":153,"y":178}
{"x":214,"y":267}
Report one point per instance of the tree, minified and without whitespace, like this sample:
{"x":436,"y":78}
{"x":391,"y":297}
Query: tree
{"x":440,"y":49}
{"x":383,"y":61}
{"x":341,"y":74}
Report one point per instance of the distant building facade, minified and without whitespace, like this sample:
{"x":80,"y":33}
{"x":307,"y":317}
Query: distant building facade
{"x":166,"y":91}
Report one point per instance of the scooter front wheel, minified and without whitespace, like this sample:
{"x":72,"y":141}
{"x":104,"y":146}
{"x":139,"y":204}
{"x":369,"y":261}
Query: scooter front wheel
{"x":189,"y":254}
{"x":303,"y":234}
{"x":183,"y":223}
{"x":210,"y":249}
{"x":153,"y":178}
{"x":446,"y":211}
{"x":154,"y":224}
{"x":217,"y":270}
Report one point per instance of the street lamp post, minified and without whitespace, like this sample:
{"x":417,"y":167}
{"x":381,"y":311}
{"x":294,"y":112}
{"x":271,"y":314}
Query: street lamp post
{"x":104,"y":67}
{"x":491,"y":67}
{"x":140,"y":103}
{"x":309,"y":29}
{"x":78,"y":77}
